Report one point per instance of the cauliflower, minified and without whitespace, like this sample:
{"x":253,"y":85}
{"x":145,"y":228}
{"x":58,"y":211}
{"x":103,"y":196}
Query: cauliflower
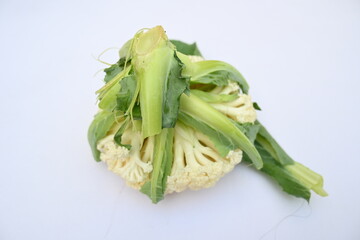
{"x":170,"y":121}
{"x":241,"y":109}
{"x":133,"y":165}
{"x":196,"y":162}
{"x":196,"y":165}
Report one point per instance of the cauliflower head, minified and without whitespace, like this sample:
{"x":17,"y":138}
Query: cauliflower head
{"x":196,"y":162}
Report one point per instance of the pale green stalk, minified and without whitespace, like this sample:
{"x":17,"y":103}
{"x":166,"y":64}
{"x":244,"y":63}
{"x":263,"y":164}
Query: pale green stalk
{"x":307,"y":177}
{"x":152,"y":54}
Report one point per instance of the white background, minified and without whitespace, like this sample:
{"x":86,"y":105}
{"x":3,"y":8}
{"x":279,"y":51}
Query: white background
{"x":301,"y":59}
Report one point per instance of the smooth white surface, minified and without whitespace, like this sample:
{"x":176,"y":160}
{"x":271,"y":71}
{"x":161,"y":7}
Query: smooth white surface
{"x":301,"y":59}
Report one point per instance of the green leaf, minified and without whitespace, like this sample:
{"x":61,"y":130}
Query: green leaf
{"x":126,"y":93}
{"x":101,"y":124}
{"x":120,"y":95}
{"x":102,"y":92}
{"x":249,"y":129}
{"x":136,"y":113}
{"x":120,"y":132}
{"x":280,"y":174}
{"x":162,"y":163}
{"x":175,"y":86}
{"x":256,"y":106}
{"x":270,"y":145}
{"x":215,"y":72}
{"x":114,"y":70}
{"x":222,"y":143}
{"x":185,"y":48}
{"x":218,"y":78}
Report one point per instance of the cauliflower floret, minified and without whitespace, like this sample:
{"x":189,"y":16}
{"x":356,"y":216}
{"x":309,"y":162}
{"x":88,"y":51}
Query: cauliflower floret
{"x":196,"y":164}
{"x":241,"y":109}
{"x":133,"y":165}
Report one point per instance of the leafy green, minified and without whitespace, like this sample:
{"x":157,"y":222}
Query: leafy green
{"x":249,"y":129}
{"x":271,"y":146}
{"x":126,"y":93}
{"x":292,"y":176}
{"x":185,"y":48}
{"x":109,"y":93}
{"x":256,"y":106}
{"x":120,"y":132}
{"x":162,"y":163}
{"x":114,"y":70}
{"x":218,"y":78}
{"x":101,"y":124}
{"x":175,"y":86}
{"x":136,"y":112}
{"x":102,"y":92}
{"x":222,"y":143}
{"x":280,"y":174}
{"x":215,"y":72}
